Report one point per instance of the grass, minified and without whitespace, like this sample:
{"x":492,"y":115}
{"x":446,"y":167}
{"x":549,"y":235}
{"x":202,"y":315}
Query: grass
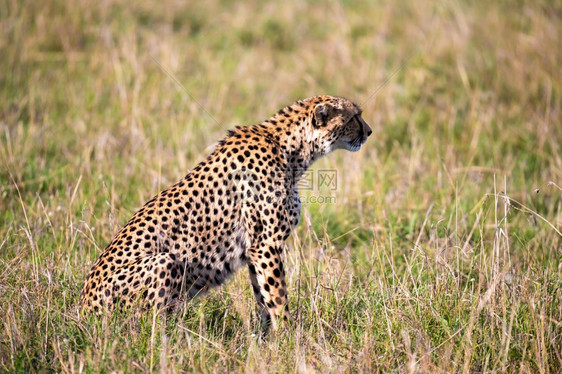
{"x":440,"y":253}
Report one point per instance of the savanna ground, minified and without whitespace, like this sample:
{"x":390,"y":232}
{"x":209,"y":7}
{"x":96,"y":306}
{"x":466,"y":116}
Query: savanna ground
{"x":438,"y":250}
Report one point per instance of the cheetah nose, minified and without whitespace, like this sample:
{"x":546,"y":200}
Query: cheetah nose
{"x":368,"y":130}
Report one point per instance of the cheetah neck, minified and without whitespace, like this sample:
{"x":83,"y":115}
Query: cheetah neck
{"x":290,"y":128}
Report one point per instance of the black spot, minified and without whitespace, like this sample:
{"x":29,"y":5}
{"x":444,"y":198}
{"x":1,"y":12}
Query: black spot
{"x":252,"y":268}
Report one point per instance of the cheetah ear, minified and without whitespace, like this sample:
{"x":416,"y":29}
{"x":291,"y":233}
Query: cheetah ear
{"x":320,"y":116}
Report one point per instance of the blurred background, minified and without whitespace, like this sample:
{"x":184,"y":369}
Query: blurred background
{"x":441,"y":249}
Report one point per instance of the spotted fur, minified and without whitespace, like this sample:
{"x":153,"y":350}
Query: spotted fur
{"x":235,"y":208}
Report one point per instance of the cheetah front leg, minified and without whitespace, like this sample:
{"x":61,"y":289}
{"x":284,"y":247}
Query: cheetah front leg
{"x":268,"y":282}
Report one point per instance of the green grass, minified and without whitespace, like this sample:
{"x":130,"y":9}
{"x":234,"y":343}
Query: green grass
{"x":441,"y":252}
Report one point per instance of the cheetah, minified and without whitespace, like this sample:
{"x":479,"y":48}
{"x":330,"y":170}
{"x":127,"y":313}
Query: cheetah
{"x":233,"y":209}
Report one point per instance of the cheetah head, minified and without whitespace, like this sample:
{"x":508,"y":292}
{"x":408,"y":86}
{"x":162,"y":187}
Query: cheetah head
{"x":337,"y":124}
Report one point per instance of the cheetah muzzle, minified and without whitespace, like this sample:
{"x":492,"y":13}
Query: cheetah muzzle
{"x":235,"y":208}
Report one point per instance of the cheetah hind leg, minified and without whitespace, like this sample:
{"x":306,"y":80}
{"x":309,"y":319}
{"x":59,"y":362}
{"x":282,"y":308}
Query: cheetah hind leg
{"x":155,"y":280}
{"x":170,"y":282}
